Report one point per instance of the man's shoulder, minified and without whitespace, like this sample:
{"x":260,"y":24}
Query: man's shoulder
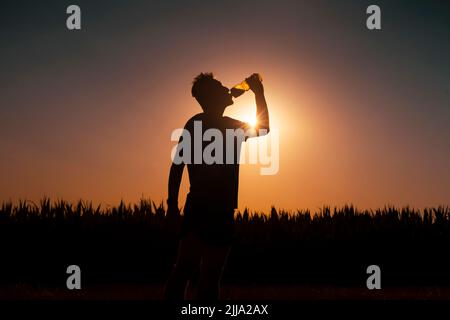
{"x":233,"y":122}
{"x":197,"y":117}
{"x":225,"y":122}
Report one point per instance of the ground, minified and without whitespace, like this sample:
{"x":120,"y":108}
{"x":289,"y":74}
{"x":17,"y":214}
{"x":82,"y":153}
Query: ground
{"x":229,"y":292}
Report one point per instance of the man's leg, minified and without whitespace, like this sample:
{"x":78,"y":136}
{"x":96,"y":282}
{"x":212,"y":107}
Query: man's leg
{"x":189,"y":255}
{"x":213,"y":263}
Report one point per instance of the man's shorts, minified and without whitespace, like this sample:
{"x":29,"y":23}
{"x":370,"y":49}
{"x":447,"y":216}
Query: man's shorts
{"x":212,"y":224}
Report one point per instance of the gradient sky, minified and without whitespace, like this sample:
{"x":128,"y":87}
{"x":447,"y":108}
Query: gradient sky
{"x":363,"y":116}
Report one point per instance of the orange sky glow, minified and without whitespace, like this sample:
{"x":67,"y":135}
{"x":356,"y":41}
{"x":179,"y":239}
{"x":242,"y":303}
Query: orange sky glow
{"x":353,"y":127}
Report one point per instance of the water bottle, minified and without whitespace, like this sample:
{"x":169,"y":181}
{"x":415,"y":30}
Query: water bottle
{"x":240,"y":88}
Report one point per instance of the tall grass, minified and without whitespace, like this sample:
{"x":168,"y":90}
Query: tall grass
{"x":148,"y":209}
{"x":137,"y":243}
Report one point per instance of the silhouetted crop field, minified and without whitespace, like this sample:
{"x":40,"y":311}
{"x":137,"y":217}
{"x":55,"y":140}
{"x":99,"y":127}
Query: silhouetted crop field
{"x":137,"y":244}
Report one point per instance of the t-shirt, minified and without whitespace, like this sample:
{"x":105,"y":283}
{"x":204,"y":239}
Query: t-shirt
{"x":213,"y":165}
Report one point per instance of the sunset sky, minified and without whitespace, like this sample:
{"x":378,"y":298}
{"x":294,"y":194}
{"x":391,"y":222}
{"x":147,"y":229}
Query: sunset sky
{"x":363,"y":115}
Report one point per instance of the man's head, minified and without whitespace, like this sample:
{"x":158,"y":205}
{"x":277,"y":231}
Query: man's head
{"x":211,"y":94}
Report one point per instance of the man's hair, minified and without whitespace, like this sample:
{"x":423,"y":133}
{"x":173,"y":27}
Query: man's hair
{"x":201,"y":88}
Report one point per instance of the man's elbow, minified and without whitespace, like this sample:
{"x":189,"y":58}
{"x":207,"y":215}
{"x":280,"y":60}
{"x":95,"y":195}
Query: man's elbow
{"x":263,"y":130}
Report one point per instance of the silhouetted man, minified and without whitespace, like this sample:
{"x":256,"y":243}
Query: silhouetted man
{"x":207,"y":228}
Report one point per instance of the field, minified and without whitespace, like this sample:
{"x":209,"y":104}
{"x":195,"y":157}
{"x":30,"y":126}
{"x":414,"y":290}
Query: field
{"x":127,"y":252}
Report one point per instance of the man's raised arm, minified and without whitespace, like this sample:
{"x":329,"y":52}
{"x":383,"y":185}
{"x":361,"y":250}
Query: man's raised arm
{"x":262,"y":113}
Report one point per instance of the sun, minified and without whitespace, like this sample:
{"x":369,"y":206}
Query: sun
{"x":252,"y":122}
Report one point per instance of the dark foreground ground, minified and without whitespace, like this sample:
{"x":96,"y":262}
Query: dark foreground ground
{"x":127,"y":252}
{"x":229,"y":292}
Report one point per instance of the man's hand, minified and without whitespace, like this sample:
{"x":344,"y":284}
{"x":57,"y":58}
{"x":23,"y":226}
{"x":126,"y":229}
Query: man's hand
{"x":172,"y":210}
{"x":172,"y":222}
{"x":255,"y":84}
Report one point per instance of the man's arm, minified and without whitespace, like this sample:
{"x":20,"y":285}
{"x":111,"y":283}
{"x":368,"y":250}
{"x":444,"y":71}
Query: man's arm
{"x":262,"y":113}
{"x":175,"y":175}
{"x":176,"y":172}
